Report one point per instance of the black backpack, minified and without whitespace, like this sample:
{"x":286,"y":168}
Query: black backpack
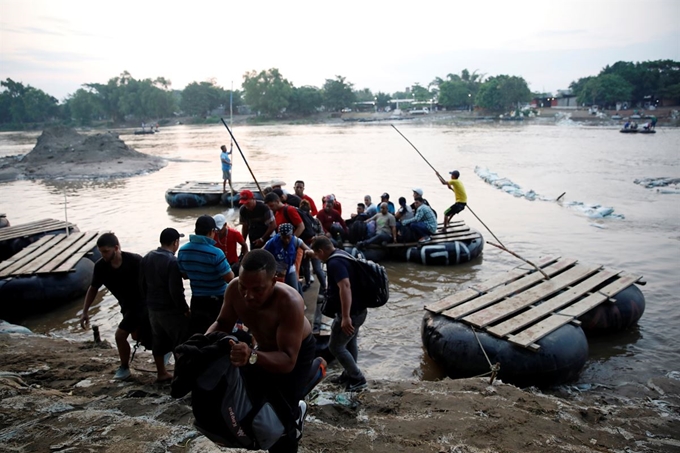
{"x":358,"y":231}
{"x":310,"y":230}
{"x":372,"y":279}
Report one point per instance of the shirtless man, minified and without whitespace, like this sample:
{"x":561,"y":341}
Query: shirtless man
{"x":275,"y":315}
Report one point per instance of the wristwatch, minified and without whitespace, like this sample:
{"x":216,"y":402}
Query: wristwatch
{"x":253,"y":356}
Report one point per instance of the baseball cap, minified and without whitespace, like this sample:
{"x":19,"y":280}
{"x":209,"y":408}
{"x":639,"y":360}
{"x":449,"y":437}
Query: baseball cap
{"x":205,"y":224}
{"x":419,"y":191}
{"x":285,"y":229}
{"x":170,"y":235}
{"x":277,"y":182}
{"x":220,"y":220}
{"x":455,"y":173}
{"x":245,"y":196}
{"x":385,"y":195}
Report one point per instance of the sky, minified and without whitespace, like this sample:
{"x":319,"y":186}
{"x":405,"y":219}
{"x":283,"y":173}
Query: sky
{"x":385,"y":46}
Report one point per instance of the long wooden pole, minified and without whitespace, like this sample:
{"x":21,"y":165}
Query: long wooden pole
{"x":502,"y":247}
{"x":244,"y":157}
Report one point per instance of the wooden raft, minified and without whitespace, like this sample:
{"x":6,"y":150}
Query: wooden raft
{"x":522,"y":306}
{"x":31,"y":228}
{"x":50,"y":254}
{"x":198,"y":187}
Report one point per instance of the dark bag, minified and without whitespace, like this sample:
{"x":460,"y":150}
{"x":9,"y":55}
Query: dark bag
{"x":372,"y":279}
{"x":222,"y":407}
{"x":309,"y":232}
{"x":358,"y":231}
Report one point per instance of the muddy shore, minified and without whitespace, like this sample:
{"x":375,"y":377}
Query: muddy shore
{"x":59,"y":396}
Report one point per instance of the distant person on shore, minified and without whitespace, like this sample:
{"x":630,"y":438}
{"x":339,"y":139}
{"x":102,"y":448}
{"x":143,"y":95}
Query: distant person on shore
{"x":163,"y":290}
{"x":119,"y":271}
{"x":226,"y":240}
{"x":654,"y":120}
{"x":461,"y":197}
{"x":225,"y":158}
{"x":257,"y":220}
{"x":208,"y":272}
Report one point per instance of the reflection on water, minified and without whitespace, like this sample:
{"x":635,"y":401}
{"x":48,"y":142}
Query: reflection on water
{"x":592,"y":165}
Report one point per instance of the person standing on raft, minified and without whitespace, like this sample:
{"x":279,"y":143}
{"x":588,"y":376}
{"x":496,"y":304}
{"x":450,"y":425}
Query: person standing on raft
{"x":461,"y":197}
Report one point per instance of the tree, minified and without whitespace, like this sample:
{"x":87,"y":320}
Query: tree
{"x":364,"y":95}
{"x":84,"y":106}
{"x":337,"y":94}
{"x":267,"y":92}
{"x":305,"y":100}
{"x":382,"y":100}
{"x":25,"y":104}
{"x":200,"y":98}
{"x":502,"y":92}
{"x":454,"y":94}
{"x":420,"y":93}
{"x":605,"y":89}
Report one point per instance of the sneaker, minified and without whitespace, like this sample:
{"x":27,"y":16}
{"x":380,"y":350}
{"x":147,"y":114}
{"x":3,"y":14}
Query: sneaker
{"x":425,"y":239}
{"x":299,"y":424}
{"x":311,"y":279}
{"x":122,"y":373}
{"x":340,"y":379}
{"x":356,"y":386}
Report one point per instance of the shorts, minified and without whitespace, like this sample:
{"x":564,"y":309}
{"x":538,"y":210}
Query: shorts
{"x":170,"y":328}
{"x":133,"y":319}
{"x":454,"y":209}
{"x":226,"y":175}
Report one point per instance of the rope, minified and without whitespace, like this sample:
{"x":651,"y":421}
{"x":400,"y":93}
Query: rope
{"x":494,"y":369}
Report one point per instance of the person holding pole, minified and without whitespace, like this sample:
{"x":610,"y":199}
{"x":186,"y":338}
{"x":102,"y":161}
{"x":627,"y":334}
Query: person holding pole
{"x":461,"y":197}
{"x":225,"y":158}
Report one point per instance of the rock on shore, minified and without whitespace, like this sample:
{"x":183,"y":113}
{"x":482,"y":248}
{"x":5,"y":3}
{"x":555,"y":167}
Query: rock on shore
{"x":59,"y":396}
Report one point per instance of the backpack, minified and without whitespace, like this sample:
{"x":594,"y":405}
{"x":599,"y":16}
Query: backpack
{"x":358,"y":231}
{"x":372,"y":278}
{"x":222,"y":406}
{"x":310,"y":230}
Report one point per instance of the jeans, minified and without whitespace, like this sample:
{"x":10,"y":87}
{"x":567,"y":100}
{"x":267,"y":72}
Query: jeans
{"x":419,"y":229}
{"x":379,"y":238}
{"x":292,"y":280}
{"x":344,"y":347}
{"x":318,"y":271}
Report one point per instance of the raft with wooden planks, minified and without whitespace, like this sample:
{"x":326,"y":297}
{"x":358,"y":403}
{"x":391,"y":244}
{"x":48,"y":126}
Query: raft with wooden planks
{"x":459,"y":244}
{"x":15,"y":238}
{"x":196,"y":194}
{"x":51,"y":271}
{"x":535,"y":328}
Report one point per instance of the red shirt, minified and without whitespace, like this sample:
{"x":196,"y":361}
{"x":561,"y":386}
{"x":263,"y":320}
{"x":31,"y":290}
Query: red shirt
{"x":327,"y":219}
{"x":227,"y":244}
{"x":291,"y":217}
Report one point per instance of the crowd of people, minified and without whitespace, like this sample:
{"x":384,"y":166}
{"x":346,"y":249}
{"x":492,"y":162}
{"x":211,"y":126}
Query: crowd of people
{"x":250,"y":279}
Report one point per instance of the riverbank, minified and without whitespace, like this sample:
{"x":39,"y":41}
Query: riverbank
{"x":58,"y":395}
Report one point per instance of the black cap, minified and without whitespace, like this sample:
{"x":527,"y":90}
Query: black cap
{"x":170,"y":235}
{"x":205,"y":224}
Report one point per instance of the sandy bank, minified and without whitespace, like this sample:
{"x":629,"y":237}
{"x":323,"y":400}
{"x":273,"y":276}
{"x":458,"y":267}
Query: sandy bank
{"x":63,"y":153}
{"x":58,"y":396}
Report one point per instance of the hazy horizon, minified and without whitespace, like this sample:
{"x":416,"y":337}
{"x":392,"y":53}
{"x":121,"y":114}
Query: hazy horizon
{"x":58,"y":46}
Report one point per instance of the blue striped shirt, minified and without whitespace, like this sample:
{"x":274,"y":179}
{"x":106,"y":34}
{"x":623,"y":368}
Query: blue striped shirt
{"x":205,"y":265}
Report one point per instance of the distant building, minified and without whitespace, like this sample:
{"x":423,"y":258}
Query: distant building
{"x":565,"y":99}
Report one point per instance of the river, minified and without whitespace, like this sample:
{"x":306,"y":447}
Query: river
{"x":594,"y":165}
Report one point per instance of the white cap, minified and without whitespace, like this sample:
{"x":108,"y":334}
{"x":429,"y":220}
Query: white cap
{"x":419,"y":191}
{"x":220,"y":220}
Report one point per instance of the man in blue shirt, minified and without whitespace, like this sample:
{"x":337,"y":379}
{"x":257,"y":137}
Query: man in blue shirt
{"x":208,"y":272}
{"x":284,"y":246}
{"x":226,"y":168}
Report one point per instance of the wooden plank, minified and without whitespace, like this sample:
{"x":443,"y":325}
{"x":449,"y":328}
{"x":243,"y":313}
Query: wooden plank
{"x":504,"y":291}
{"x":547,"y":307}
{"x":542,"y":262}
{"x":480,"y":288}
{"x":31,"y":228}
{"x":595,"y":299}
{"x":48,"y":255}
{"x":28,"y":250}
{"x":522,"y":300}
{"x":33,"y":251}
{"x":511,"y":275}
{"x":537,"y":331}
{"x":80,"y":253}
{"x":73,"y":250}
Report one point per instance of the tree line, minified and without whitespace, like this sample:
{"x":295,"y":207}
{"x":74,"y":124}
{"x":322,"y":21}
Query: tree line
{"x":269,"y":94}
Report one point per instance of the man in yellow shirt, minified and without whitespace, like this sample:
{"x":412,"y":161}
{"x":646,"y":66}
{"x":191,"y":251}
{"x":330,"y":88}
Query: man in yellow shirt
{"x":461,"y":197}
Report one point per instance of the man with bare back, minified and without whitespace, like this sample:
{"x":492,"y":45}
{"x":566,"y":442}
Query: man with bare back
{"x":278,"y":361}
